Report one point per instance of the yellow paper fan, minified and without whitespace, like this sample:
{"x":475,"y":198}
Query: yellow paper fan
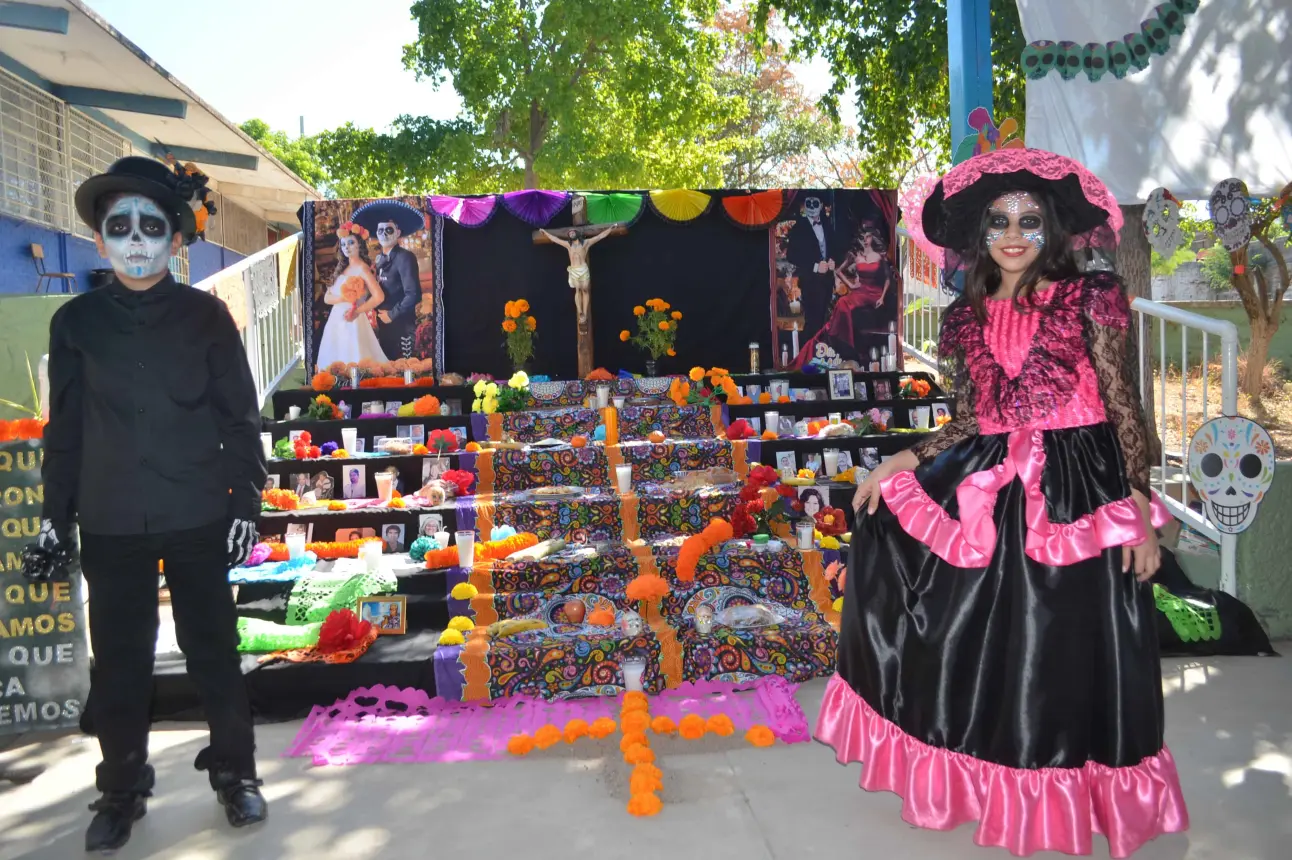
{"x":680,"y":204}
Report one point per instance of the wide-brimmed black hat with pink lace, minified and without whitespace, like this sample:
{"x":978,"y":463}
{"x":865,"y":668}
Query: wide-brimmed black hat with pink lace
{"x":944,"y":216}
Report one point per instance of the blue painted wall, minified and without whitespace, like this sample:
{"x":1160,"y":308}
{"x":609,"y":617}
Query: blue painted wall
{"x":65,"y":253}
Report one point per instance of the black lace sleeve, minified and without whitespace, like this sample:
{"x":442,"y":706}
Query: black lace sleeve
{"x":959,"y":385}
{"x":1110,"y":337}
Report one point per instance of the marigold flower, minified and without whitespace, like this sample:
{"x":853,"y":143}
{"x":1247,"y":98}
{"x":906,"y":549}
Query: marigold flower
{"x":721,"y":725}
{"x":639,"y":311}
{"x":509,"y":309}
{"x":643,"y":782}
{"x":509,"y":326}
{"x":663,"y":325}
{"x":473,"y":448}
{"x":760,"y":736}
{"x":602,"y":727}
{"x":464,"y":591}
{"x":452,"y":637}
{"x":764,"y":398}
{"x":520,"y":745}
{"x":323,"y":381}
{"x":574,"y":730}
{"x":635,"y":700}
{"x":624,"y":335}
{"x":696,"y":374}
{"x":692,"y":727}
{"x":663,"y":726}
{"x":639,"y":754}
{"x":601,"y":618}
{"x":546,"y":736}
{"x":645,"y":805}
{"x":671,"y":352}
{"x":634,"y":722}
{"x":647,"y":587}
{"x":462,"y":623}
{"x":522,"y":306}
{"x":632,"y":739}
{"x":677,"y":315}
{"x":531,"y":323}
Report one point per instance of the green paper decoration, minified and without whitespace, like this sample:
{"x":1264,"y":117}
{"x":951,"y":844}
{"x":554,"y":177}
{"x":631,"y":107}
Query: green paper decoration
{"x":1131,"y":53}
{"x":1191,"y":621}
{"x":258,"y":635}
{"x":613,"y":208}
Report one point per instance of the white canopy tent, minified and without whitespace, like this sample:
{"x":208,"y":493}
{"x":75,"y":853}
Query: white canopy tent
{"x":1217,"y":105}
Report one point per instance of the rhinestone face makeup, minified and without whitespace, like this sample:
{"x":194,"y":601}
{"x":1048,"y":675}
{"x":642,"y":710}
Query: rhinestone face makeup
{"x":1020,"y":209}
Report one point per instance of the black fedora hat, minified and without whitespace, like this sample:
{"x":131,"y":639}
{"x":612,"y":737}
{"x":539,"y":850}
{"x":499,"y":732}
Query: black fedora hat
{"x":407,"y":218}
{"x":145,"y":177}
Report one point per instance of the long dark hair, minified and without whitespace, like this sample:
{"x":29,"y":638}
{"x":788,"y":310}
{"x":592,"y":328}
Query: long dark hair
{"x":1054,"y":263}
{"x":343,"y":262}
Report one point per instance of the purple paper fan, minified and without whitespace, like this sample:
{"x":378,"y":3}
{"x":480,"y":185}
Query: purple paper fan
{"x":535,"y":206}
{"x":467,"y":211}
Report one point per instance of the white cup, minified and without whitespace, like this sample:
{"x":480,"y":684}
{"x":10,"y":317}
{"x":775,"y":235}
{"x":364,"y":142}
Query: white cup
{"x":922,"y":417}
{"x":624,"y":478}
{"x":619,"y":402}
{"x":466,"y":548}
{"x":295,"y":546}
{"x":772,"y":421}
{"x":385,"y":486}
{"x":442,"y":538}
{"x":350,"y":438}
{"x":831,"y":462}
{"x":293,"y":412}
{"x":267,"y":442}
{"x":807,"y":534}
{"x":603,"y":396}
{"x":633,"y":669}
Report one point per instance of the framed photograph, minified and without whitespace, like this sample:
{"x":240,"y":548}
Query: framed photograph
{"x":376,"y":443}
{"x":345,"y":409}
{"x":883,"y":389}
{"x":418,"y":434}
{"x":787,"y":464}
{"x":800,"y":394}
{"x":273,"y":482}
{"x":800,"y":429}
{"x":429,"y":524}
{"x":433,"y":467}
{"x":813,"y":499}
{"x":461,"y":433}
{"x":869,"y":458}
{"x":306,"y":529}
{"x":939,"y":411}
{"x":787,"y":426}
{"x":354,"y":482}
{"x":813,"y":461}
{"x":845,"y":461}
{"x":386,"y":612}
{"x":853,"y":416}
{"x":294,"y":435}
{"x":841,"y":385}
{"x":403,"y":431}
{"x":392,"y":406}
{"x":358,"y":445}
{"x":300,"y":483}
{"x":392,"y":538}
{"x":455,"y":407}
{"x":819,"y":394}
{"x":757,"y":424}
{"x":373,"y":407}
{"x":778,"y":388}
{"x":344,"y":535}
{"x":323,"y":486}
{"x":859,"y":390}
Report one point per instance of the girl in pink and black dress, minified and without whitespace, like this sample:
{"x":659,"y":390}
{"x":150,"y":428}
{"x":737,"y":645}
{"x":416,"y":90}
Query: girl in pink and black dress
{"x":998,"y":656}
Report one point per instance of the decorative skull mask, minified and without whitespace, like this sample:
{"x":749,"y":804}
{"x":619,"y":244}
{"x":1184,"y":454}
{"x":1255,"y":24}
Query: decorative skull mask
{"x":1231,"y":215}
{"x":1039,"y":58}
{"x":1069,"y":61}
{"x":137,"y":236}
{"x":1094,"y":58}
{"x":1156,"y":35}
{"x":1171,"y":17}
{"x":1162,"y":222}
{"x":1137,"y":45}
{"x":1188,"y":7}
{"x":632,"y":625}
{"x":1231,"y":464}
{"x":1118,"y":59}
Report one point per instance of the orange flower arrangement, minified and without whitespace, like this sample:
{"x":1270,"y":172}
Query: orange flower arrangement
{"x":635,"y":700}
{"x":784,"y":398}
{"x":353,"y":289}
{"x":487,"y":551}
{"x":656,"y":334}
{"x":280,"y":500}
{"x":910,"y":387}
{"x":574,"y":730}
{"x":325,"y":550}
{"x":716,"y":533}
{"x":663,"y":726}
{"x":520,"y":745}
{"x":760,"y":736}
{"x":647,"y":587}
{"x":639,"y":754}
{"x":645,"y":781}
{"x":600,"y":375}
{"x":323,"y":381}
{"x":632,"y":739}
{"x":769,"y":436}
{"x":602,"y":727}
{"x":21,"y":429}
{"x":634,"y":721}
{"x":645,"y":805}
{"x":509,"y":326}
{"x":426,"y":405}
{"x":601,"y":618}
{"x":519,"y":329}
{"x":546,"y":736}
{"x":472,"y":448}
{"x":720,"y":725}
{"x":679,"y":391}
{"x":336,"y":505}
{"x":421,"y":450}
{"x":764,"y":398}
{"x":692,"y":727}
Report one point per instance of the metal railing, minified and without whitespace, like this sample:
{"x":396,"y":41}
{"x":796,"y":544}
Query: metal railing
{"x":925,"y":301}
{"x":263,"y":295}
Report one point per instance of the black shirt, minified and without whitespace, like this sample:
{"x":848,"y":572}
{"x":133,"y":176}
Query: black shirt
{"x":154,"y":425}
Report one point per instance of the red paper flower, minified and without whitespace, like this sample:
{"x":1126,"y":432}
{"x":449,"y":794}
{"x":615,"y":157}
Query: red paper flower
{"x":304,"y":437}
{"x":763,"y":476}
{"x":739,"y":429}
{"x":460,"y":479}
{"x":342,"y":631}
{"x":831,"y":521}
{"x":442,"y":441}
{"x":742,"y":524}
{"x":755,"y":507}
{"x":786,"y":492}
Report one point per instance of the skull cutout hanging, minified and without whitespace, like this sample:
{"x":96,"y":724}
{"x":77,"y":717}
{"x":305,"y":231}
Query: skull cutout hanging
{"x":1231,"y":465}
{"x":1162,"y":222}
{"x":1231,"y":214}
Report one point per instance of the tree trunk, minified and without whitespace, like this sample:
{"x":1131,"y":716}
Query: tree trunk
{"x":1258,"y":352}
{"x":531,"y":178}
{"x":1135,"y":265}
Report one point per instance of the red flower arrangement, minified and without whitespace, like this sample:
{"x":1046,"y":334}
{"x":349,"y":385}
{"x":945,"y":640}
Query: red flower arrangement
{"x":21,"y":429}
{"x":764,"y":501}
{"x":831,"y":521}
{"x":740,"y":429}
{"x":442,"y":441}
{"x":461,"y":479}
{"x":342,"y":630}
{"x":303,"y":449}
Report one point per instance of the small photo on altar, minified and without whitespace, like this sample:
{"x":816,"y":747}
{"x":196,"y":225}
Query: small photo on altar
{"x":778,"y":388}
{"x":306,"y":529}
{"x":353,"y":482}
{"x":461,"y":433}
{"x":429,"y":524}
{"x":392,"y":406}
{"x":859,"y":390}
{"x":819,"y":394}
{"x":814,"y":500}
{"x":841,"y":385}
{"x":845,"y":461}
{"x":300,"y":483}
{"x":323,"y":487}
{"x":347,"y":535}
{"x":757,"y":424}
{"x":373,"y":407}
{"x":455,"y":407}
{"x":869,"y":458}
{"x":418,"y":432}
{"x":403,"y":431}
{"x":787,"y":426}
{"x":787,"y":464}
{"x":813,"y":461}
{"x":273,"y":482}
{"x":434,"y":467}
{"x":293,"y":435}
{"x":387,"y":613}
{"x":883,"y":389}
{"x":941,"y":411}
{"x":392,"y":538}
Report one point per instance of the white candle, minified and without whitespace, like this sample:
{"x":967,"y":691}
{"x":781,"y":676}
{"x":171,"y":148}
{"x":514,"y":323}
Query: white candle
{"x":633,"y":669}
{"x":831,"y":462}
{"x":922,"y":417}
{"x":350,"y":439}
{"x":794,"y":339}
{"x":603,"y":396}
{"x":370,"y":555}
{"x":295,"y":546}
{"x":385,"y":486}
{"x":624,"y":478}
{"x":772,"y":421}
{"x":807,"y":530}
{"x":293,"y":412}
{"x":619,"y":402}
{"x":267,"y":443}
{"x":466,"y":548}
{"x":442,"y":538}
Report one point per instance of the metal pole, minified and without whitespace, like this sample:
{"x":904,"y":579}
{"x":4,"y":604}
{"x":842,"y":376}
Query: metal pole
{"x":968,"y":61}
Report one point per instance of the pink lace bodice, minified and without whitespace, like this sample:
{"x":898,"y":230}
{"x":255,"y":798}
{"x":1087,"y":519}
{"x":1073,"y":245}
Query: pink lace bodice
{"x":1009,"y":336}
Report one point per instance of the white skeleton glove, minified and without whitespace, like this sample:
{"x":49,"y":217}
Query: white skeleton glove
{"x":242,"y":537}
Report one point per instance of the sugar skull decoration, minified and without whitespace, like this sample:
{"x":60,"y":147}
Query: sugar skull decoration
{"x":1231,"y":214}
{"x":1156,"y":35}
{"x":1069,"y":60}
{"x":1094,"y":59}
{"x":1162,"y":222}
{"x":1231,"y":465}
{"x":1119,"y":62}
{"x":1172,"y":17}
{"x":703,"y":619}
{"x":1039,"y":58}
{"x":631,"y":625}
{"x":1137,"y":45}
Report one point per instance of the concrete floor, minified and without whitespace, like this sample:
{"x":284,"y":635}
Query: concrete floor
{"x":1229,"y":726}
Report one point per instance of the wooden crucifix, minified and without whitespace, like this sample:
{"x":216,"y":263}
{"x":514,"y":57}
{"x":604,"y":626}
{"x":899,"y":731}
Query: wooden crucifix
{"x":576,"y":241}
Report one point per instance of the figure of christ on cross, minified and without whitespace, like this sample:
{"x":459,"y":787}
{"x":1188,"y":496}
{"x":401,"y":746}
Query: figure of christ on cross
{"x":576,"y":241}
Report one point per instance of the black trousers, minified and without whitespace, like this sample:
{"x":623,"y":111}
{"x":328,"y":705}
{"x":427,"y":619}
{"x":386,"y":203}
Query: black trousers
{"x":121,"y":572}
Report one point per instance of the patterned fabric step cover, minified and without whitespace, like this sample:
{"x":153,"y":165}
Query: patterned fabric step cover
{"x":569,"y":661}
{"x":635,"y":422}
{"x":515,"y":470}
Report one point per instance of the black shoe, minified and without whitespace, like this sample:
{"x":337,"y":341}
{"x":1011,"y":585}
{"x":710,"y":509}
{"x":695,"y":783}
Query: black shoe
{"x":115,"y":814}
{"x":241,"y":798}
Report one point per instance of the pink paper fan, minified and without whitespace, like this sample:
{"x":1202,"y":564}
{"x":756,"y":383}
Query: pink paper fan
{"x":911,"y":202}
{"x":467,"y":211}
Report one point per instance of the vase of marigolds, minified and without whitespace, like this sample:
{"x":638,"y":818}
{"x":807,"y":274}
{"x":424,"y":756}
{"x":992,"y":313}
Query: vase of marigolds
{"x":520,"y":329}
{"x":656,"y":331}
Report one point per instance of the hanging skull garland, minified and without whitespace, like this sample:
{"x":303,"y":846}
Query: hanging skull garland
{"x":1231,"y":214}
{"x":1162,"y":222}
{"x":1039,"y":58}
{"x":1119,"y":59}
{"x":1069,"y":60}
{"x":1094,"y":57}
{"x":1231,"y":465}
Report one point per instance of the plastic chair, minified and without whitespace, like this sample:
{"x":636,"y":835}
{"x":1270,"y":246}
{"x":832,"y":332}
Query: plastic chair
{"x":43,"y":277}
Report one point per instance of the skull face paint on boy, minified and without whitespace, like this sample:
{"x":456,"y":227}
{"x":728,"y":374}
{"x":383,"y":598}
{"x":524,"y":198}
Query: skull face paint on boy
{"x":137,"y":237}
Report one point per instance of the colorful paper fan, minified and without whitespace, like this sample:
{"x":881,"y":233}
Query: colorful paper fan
{"x":467,"y":211}
{"x":911,"y":202}
{"x":754,"y":211}
{"x":535,"y":206}
{"x":680,"y":205}
{"x":613,"y":208}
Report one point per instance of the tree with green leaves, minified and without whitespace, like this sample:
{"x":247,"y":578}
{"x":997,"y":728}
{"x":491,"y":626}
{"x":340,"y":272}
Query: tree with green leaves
{"x":416,"y":155}
{"x":298,"y":155}
{"x":891,"y":55}
{"x":578,"y":94}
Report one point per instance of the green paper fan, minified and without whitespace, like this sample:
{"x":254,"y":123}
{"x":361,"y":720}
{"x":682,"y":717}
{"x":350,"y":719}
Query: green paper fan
{"x":613,"y":208}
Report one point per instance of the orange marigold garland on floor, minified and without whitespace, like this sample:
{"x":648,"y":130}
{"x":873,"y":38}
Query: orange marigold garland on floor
{"x":646,"y":779}
{"x":760,"y":736}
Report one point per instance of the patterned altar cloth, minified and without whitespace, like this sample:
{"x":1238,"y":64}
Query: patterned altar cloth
{"x":508,"y":470}
{"x":566,"y":422}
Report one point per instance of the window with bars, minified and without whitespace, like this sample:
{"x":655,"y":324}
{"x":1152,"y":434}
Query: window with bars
{"x":91,"y":150}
